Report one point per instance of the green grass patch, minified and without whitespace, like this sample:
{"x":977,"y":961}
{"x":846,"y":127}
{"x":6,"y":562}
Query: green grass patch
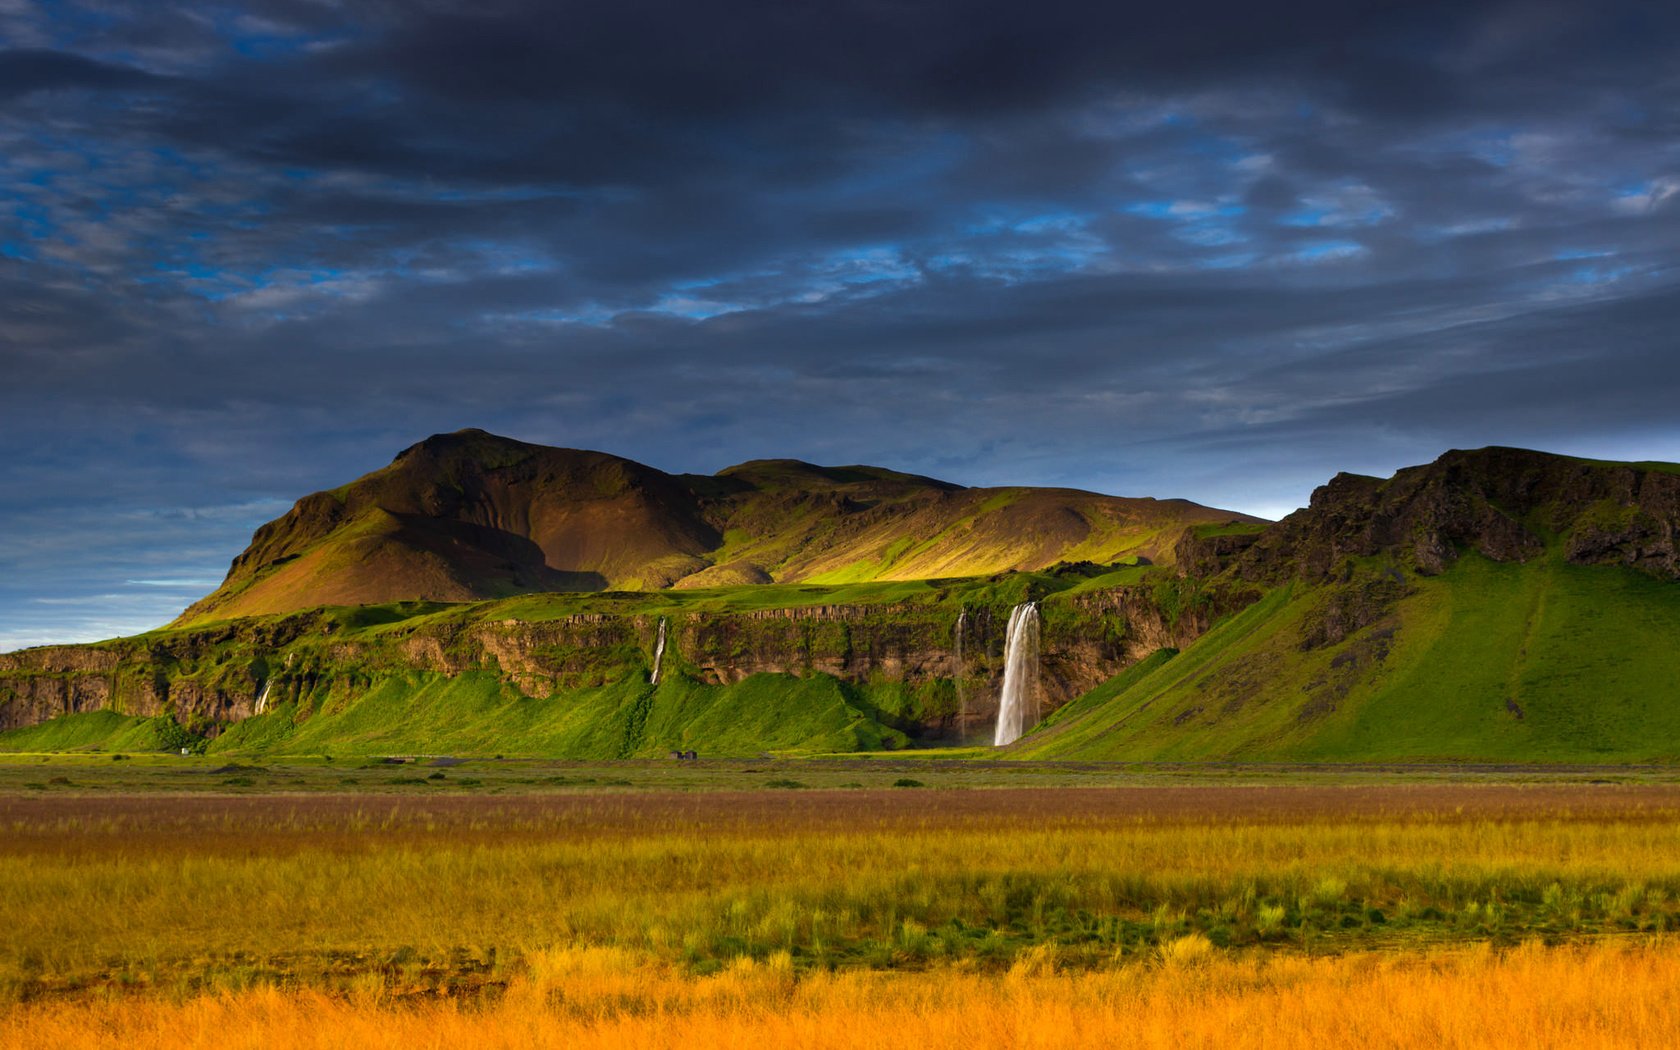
{"x":1505,"y":662}
{"x":90,"y":730}
{"x":478,"y":713}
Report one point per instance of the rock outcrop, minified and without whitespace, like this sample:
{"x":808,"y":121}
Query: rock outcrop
{"x":1506,"y":504}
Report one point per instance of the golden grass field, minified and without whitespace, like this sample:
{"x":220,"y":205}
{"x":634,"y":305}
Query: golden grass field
{"x":1618,"y":995}
{"x":1412,"y":914}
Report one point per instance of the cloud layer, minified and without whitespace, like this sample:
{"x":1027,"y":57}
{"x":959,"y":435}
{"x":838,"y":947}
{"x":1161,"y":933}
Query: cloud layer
{"x":248,"y":250}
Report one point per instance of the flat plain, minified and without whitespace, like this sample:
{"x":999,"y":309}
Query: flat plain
{"x":925,"y":902}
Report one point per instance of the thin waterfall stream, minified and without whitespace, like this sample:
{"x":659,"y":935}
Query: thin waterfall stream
{"x":658,"y":652}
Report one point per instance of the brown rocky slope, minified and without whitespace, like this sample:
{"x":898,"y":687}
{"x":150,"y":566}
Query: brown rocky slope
{"x":469,"y":516}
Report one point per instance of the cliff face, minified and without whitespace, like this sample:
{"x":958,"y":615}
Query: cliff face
{"x":1503,"y":503}
{"x":903,"y":657}
{"x":145,"y":676}
{"x":39,"y":684}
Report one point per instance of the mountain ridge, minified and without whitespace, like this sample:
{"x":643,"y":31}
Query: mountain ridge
{"x":1507,"y":504}
{"x":471,"y":516}
{"x":1495,"y":605}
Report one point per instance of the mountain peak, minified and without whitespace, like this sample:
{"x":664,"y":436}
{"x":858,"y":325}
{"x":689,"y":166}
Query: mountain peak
{"x":466,"y":440}
{"x":470,"y":515}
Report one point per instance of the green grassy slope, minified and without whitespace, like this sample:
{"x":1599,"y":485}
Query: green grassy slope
{"x":103,"y":730}
{"x":478,"y":714}
{"x":1544,"y":661}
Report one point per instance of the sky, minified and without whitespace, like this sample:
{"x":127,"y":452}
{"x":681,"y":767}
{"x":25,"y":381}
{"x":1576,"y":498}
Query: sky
{"x":1217,"y":250}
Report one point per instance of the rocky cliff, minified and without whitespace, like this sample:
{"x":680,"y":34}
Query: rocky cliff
{"x":901,"y":657}
{"x":1506,"y":504}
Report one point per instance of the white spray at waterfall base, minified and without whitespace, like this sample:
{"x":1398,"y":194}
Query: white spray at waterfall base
{"x":1018,"y":707}
{"x":658,"y":652}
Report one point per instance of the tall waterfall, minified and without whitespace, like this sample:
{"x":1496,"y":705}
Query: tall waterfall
{"x":1018,"y":708}
{"x":658,"y":652}
{"x":961,"y":673}
{"x":262,"y":697}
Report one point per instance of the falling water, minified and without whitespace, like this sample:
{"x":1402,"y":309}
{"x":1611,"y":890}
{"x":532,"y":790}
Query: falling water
{"x":262,"y":697}
{"x":961,"y":670}
{"x":1018,"y":708}
{"x":658,"y":652}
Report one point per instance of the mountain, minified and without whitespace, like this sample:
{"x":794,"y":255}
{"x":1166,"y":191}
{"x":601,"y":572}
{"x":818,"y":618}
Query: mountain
{"x":470,"y":516}
{"x":1497,"y":604}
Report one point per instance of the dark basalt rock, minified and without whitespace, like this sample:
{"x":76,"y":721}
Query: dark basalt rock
{"x":1502,"y":503}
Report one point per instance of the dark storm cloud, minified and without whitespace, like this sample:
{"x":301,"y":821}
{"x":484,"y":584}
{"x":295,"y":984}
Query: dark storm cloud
{"x":25,"y":71}
{"x":1218,"y":250}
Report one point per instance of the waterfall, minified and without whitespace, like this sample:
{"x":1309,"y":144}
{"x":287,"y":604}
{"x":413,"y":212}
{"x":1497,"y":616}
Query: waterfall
{"x":262,"y":697}
{"x":658,"y":652}
{"x":962,"y":694}
{"x":1018,"y":707}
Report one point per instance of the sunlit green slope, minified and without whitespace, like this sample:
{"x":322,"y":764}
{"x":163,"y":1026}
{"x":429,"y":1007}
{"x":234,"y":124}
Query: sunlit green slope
{"x":1535,"y":661}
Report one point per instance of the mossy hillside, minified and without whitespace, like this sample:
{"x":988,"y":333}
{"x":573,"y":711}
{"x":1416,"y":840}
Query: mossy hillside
{"x":1094,"y":726}
{"x":478,"y":713}
{"x":883,"y":651}
{"x":104,"y":730}
{"x":1536,"y":661}
{"x":1106,"y":692}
